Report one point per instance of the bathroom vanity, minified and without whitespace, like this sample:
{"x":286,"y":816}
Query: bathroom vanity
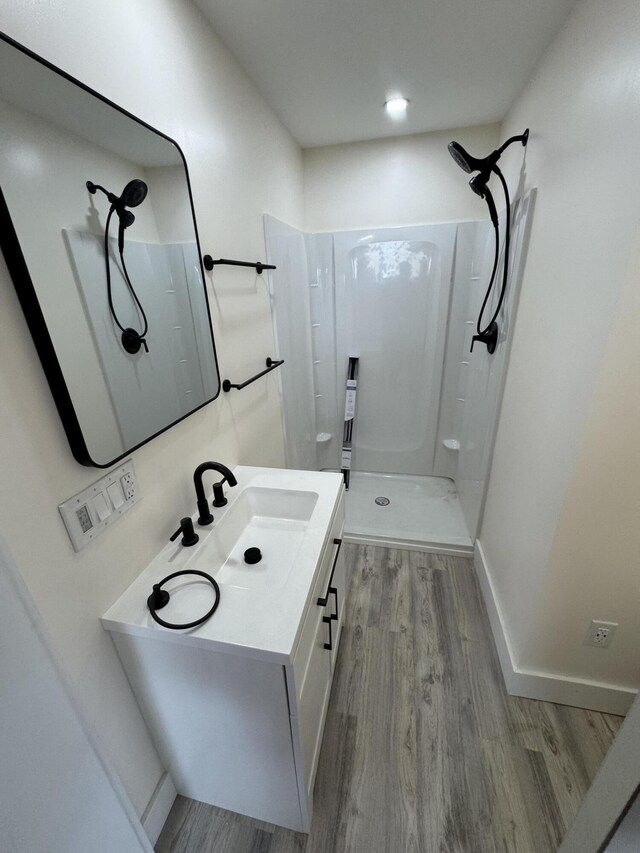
{"x":237,"y":706}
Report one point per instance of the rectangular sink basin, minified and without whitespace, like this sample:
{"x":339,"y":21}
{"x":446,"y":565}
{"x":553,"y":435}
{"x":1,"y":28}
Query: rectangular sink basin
{"x":273,"y":520}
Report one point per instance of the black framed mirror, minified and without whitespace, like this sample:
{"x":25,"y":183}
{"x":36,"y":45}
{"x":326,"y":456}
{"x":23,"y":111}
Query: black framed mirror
{"x":119,"y":314}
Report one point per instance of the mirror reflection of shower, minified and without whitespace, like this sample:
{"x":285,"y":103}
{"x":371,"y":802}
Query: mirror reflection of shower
{"x":132,"y":195}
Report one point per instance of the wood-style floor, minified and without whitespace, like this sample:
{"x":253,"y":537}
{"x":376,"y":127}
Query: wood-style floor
{"x":423,"y":750}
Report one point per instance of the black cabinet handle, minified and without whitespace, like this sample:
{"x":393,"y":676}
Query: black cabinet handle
{"x":322,"y":601}
{"x":328,"y":646}
{"x":333,"y":589}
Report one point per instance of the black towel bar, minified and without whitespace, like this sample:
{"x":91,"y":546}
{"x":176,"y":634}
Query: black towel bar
{"x":209,"y":264}
{"x":227,"y":385}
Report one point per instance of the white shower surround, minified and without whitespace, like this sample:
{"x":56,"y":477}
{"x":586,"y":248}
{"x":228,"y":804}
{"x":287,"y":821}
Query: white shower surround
{"x":428,"y":387}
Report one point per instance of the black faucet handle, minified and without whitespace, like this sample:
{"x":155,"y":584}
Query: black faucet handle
{"x":218,"y":493}
{"x":189,"y":536}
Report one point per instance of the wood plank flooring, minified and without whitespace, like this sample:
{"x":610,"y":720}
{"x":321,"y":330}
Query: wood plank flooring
{"x":423,"y":750}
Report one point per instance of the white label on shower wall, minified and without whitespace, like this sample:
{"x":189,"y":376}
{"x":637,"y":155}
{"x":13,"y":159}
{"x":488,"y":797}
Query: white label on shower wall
{"x":350,"y":402}
{"x":345,"y":463}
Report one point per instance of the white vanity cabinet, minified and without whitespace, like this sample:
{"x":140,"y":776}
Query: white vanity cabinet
{"x":239,"y":724}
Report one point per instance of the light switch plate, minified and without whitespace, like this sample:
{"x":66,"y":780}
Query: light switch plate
{"x":119,"y":490}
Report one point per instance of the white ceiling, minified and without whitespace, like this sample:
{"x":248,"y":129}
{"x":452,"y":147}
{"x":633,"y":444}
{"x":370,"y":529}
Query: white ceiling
{"x":327,"y":66}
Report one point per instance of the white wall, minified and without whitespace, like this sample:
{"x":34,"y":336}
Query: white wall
{"x":47,"y":745}
{"x":405,"y":180}
{"x":160,"y":60}
{"x":560,"y":531}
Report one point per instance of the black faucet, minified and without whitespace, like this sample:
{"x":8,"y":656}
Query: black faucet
{"x":204,"y":513}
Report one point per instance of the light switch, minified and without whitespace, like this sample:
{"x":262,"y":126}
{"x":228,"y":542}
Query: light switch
{"x":115,"y":493}
{"x":101,"y":506}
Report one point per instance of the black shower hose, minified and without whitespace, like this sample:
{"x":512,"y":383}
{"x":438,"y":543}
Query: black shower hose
{"x":505,"y":270}
{"x":142,"y":334}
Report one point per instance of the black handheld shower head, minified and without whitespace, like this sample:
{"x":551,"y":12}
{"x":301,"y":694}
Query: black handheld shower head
{"x":478,"y":184}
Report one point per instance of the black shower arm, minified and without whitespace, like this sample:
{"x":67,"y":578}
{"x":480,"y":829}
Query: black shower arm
{"x":93,"y":187}
{"x":522,"y":137}
{"x":492,"y":159}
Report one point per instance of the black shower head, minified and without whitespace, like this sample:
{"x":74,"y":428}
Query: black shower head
{"x":134,"y":193}
{"x":468,"y":163}
{"x":482,"y":164}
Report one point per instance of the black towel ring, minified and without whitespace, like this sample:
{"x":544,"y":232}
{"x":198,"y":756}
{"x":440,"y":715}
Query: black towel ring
{"x":160,"y":597}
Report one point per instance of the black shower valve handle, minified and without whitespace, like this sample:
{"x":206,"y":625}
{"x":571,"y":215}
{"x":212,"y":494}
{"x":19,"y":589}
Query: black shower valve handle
{"x":489,"y":337}
{"x":189,"y":536}
{"x":132,"y":341}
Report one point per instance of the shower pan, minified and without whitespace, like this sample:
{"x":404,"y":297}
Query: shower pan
{"x":403,"y":301}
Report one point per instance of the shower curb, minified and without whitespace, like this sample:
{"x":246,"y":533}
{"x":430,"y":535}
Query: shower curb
{"x":410,"y":545}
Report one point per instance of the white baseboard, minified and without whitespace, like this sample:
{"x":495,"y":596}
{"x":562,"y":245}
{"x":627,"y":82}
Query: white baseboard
{"x":409,"y":545}
{"x":157,"y":811}
{"x":546,"y":686}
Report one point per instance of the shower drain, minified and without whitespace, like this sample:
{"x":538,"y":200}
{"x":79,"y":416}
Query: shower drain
{"x":382,"y":501}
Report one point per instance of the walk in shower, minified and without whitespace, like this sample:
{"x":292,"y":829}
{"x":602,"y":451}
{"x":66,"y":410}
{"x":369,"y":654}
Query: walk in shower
{"x":404,"y":302}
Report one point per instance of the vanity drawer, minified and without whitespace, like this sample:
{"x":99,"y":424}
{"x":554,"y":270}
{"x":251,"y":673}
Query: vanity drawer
{"x":315,"y":631}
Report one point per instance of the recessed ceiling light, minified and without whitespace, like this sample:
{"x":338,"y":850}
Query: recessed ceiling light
{"x":396,"y":108}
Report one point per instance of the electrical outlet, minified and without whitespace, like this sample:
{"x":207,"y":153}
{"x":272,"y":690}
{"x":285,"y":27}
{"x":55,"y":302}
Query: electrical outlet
{"x":128,"y":485}
{"x":600,"y":634}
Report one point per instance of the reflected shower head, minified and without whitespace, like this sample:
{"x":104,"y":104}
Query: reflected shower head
{"x":134,"y":193}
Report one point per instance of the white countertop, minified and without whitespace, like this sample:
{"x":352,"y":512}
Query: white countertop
{"x":261,"y":624}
